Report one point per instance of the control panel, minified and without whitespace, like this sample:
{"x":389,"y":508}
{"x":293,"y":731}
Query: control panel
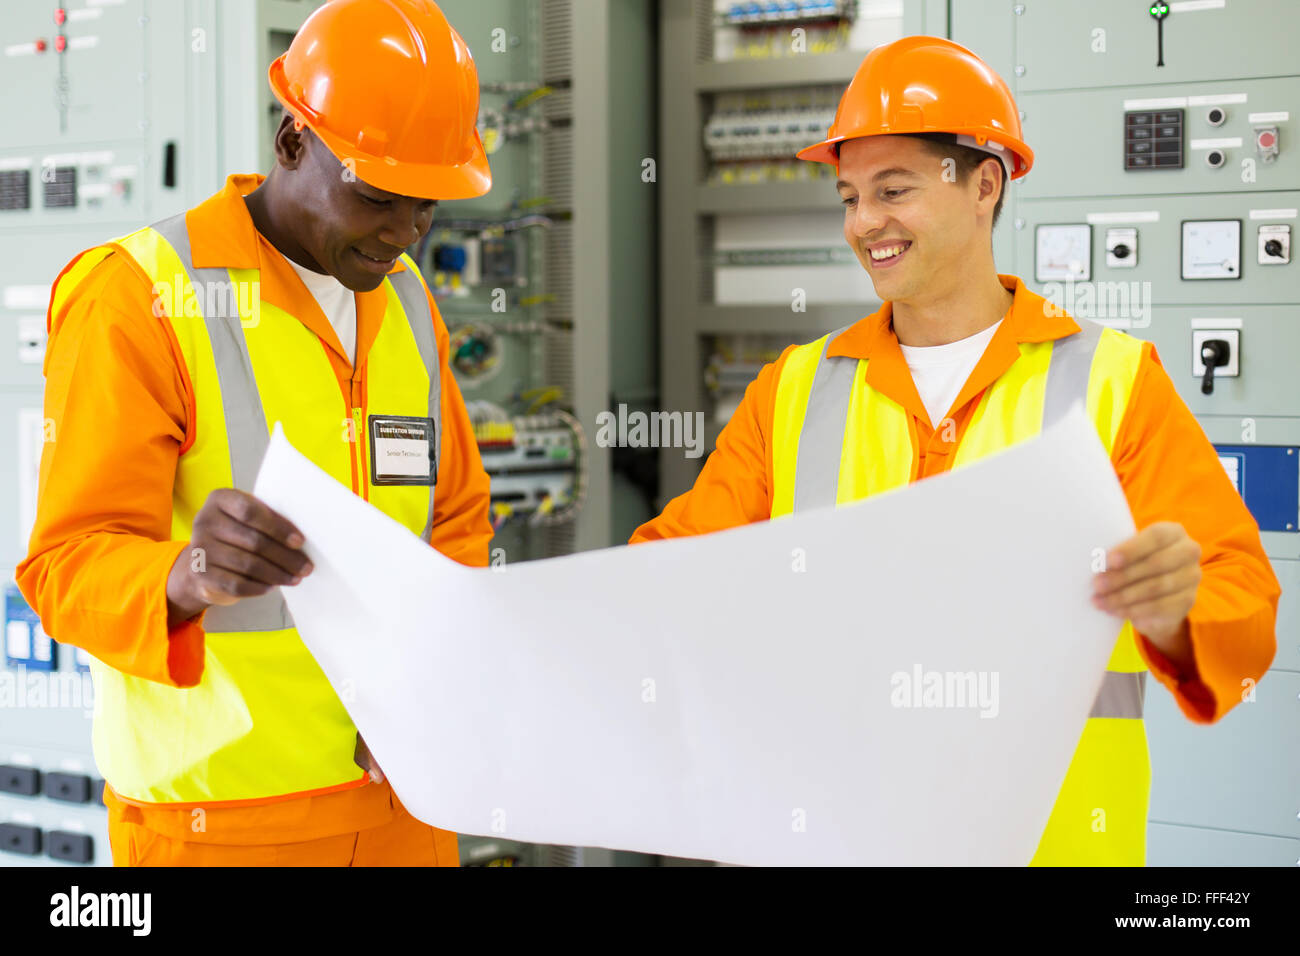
{"x":1162,"y":201}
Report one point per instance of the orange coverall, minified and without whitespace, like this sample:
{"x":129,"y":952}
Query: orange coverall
{"x":1166,"y":465}
{"x":99,"y":555}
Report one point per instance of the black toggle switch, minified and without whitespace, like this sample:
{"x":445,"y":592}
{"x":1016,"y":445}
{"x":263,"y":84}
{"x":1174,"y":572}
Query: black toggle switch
{"x":15,"y":838}
{"x":1159,"y":10}
{"x":70,"y":847}
{"x":68,"y":787}
{"x":1214,"y":352}
{"x":24,"y":781}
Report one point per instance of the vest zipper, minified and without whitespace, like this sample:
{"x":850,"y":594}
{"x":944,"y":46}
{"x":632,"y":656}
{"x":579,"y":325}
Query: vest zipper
{"x":358,"y":425}
{"x":362,"y":454}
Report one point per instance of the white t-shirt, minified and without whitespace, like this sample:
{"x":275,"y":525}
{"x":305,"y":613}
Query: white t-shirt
{"x":940,"y":371}
{"x":337,"y":302}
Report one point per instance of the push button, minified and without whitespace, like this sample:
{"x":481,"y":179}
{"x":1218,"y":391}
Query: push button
{"x":15,"y":838}
{"x":70,"y":847}
{"x":69,"y":787}
{"x":24,"y":781}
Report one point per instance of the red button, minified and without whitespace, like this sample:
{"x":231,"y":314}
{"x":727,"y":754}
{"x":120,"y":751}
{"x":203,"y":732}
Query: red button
{"x":60,"y":43}
{"x":1267,"y":139}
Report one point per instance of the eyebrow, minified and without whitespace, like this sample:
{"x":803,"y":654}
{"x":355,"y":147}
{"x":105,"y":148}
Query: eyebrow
{"x":883,"y":174}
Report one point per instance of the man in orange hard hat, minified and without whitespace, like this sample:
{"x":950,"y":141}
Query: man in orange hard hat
{"x":961,"y":362}
{"x":172,"y":350}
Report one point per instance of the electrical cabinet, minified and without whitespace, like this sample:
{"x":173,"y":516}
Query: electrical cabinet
{"x":121,"y":113}
{"x":1175,"y":144}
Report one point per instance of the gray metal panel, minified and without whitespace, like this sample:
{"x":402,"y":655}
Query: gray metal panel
{"x":681,"y":168}
{"x":1055,"y":43}
{"x":54,"y":739}
{"x":1160,"y":245}
{"x":797,"y":326}
{"x":986,"y":27}
{"x":1195,"y":846}
{"x":160,"y":72}
{"x":1270,"y":340}
{"x":744,"y":74}
{"x":1288,"y":617}
{"x":107,"y":72}
{"x":12,"y":548}
{"x":593,"y":63}
{"x":1069,"y":164}
{"x":1072,"y":104}
{"x":767,"y":198}
{"x":1238,"y":774}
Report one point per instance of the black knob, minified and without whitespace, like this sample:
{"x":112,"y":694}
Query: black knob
{"x":1273,"y":248}
{"x":1214,"y":352}
{"x":1121,"y":251}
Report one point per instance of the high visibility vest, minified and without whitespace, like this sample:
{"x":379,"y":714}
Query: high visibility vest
{"x":263,"y":721}
{"x":837,"y":440}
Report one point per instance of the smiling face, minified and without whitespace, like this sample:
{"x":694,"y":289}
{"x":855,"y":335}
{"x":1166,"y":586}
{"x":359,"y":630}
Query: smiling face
{"x":351,"y":230}
{"x":912,"y":221}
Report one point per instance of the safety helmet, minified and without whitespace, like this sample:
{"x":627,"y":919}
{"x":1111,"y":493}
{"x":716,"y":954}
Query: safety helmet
{"x":924,"y":84}
{"x":392,"y":91}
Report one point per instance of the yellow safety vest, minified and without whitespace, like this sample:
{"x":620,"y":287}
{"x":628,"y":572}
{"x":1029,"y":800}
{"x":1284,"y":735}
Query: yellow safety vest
{"x":263,"y":721}
{"x":837,"y":440}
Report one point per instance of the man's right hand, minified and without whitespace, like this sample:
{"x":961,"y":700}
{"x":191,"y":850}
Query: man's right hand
{"x":239,"y":548}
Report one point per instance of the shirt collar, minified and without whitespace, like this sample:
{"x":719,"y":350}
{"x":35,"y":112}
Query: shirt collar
{"x":1031,"y":318}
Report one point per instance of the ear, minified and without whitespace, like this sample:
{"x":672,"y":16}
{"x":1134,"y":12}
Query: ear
{"x":290,"y":143}
{"x":991,"y":180}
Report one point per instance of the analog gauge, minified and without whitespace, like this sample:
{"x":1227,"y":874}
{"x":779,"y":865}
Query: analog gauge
{"x":1212,"y":249}
{"x":1064,"y":251}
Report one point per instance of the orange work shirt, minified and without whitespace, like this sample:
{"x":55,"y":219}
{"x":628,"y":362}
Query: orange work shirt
{"x":118,"y":395}
{"x":1166,"y":465}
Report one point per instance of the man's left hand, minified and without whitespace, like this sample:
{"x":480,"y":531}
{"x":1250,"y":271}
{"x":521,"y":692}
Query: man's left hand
{"x":1151,"y":580}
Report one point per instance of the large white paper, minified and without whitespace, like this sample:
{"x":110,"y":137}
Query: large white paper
{"x":737,"y":696}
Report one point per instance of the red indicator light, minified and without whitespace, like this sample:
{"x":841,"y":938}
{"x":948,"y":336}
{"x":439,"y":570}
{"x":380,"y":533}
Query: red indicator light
{"x":60,"y":16}
{"x":60,"y":43}
{"x":40,"y":46}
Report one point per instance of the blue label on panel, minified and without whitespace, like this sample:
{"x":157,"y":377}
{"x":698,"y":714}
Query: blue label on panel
{"x":1268,"y":478}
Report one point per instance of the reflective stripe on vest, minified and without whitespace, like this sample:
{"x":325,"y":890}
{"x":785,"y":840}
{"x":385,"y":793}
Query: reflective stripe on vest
{"x":263,"y":721}
{"x":837,"y":440}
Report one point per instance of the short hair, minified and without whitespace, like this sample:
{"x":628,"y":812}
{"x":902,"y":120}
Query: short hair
{"x":968,"y":160}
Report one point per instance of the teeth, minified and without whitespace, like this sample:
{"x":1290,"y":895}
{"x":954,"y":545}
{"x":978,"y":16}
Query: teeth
{"x":887,"y":252}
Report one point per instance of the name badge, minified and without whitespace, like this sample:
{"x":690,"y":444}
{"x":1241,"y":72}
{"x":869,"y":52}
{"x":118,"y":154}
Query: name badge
{"x":402,"y":451}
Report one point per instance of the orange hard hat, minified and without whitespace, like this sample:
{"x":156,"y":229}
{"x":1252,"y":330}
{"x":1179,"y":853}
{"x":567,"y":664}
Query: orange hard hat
{"x":391,"y":89}
{"x":924,"y":84}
